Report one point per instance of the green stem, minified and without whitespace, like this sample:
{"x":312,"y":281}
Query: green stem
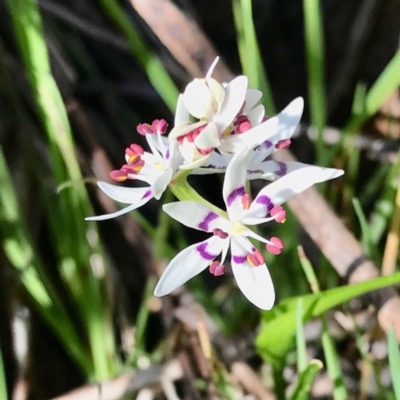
{"x":183,"y":191}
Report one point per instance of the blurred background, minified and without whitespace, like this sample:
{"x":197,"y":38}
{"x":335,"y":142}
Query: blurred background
{"x":76,"y":304}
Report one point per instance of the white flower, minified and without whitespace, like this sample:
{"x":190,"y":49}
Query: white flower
{"x":156,"y":169}
{"x":216,"y":107}
{"x":247,"y":262}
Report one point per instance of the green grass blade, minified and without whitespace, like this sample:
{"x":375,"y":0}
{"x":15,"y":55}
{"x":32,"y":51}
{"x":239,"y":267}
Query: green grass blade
{"x":66,"y":212}
{"x":300,"y":339}
{"x":314,"y":40}
{"x":277,"y":334}
{"x":332,"y":363}
{"x":303,"y":385}
{"x":249,"y":52}
{"x":3,"y":381}
{"x":365,"y":230}
{"x":154,"y":69}
{"x":394,"y":362}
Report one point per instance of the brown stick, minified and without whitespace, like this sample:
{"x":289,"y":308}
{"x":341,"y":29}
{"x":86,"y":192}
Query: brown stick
{"x":185,"y":41}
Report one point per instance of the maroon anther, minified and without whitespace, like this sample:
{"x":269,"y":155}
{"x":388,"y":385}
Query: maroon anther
{"x":220,"y":233}
{"x":216,"y":268}
{"x":159,"y":126}
{"x":275,"y":247}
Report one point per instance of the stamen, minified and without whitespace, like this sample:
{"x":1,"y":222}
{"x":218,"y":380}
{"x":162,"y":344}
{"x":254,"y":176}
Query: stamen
{"x":275,"y":247}
{"x":216,"y":268}
{"x":137,"y":149}
{"x":131,"y":156}
{"x":159,"y":126}
{"x":279,"y":214}
{"x":220,"y":233}
{"x":255,"y":259}
{"x":144,"y":129}
{"x":283,"y":144}
{"x":246,"y":201}
{"x":243,"y":127}
{"x":119,"y":175}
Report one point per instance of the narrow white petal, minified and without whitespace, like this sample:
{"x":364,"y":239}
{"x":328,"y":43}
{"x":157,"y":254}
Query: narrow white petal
{"x":161,"y":183}
{"x":181,"y":114}
{"x":196,"y":215}
{"x":272,"y":170}
{"x":234,"y":97}
{"x":276,"y":193}
{"x":253,"y":96}
{"x":235,"y":181}
{"x":254,"y":282}
{"x":124,"y":194}
{"x":120,"y":212}
{"x":154,"y":147}
{"x":187,"y":264}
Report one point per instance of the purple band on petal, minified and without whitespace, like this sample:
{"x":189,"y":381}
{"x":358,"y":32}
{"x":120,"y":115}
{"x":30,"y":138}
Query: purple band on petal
{"x":201,"y":248}
{"x":255,"y":171}
{"x":167,"y":155}
{"x":206,"y":221}
{"x":267,"y":144}
{"x":266,"y":201}
{"x":237,"y":192}
{"x":239,"y":259}
{"x":147,"y":194}
{"x":282,"y":171}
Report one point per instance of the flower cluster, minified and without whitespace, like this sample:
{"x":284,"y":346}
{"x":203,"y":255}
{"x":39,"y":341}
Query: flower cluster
{"x":219,"y":129}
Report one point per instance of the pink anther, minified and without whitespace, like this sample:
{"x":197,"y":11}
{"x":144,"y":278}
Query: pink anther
{"x":275,"y":247}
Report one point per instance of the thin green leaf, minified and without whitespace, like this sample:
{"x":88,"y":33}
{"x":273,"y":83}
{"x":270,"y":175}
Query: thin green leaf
{"x":276,"y":337}
{"x":300,"y":339}
{"x":394,"y":362}
{"x":314,"y":39}
{"x":365,"y":229}
{"x":303,"y":385}
{"x":249,"y":52}
{"x":154,"y":69}
{"x":332,"y":363}
{"x":3,"y":381}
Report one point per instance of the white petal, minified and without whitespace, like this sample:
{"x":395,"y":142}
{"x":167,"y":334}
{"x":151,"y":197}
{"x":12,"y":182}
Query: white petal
{"x":235,"y":94}
{"x":161,"y":183}
{"x":252,"y":138}
{"x":120,"y":212}
{"x":181,"y":114}
{"x":256,"y":115}
{"x":199,"y":100}
{"x":208,"y":137}
{"x":272,"y":170}
{"x":184,"y":128}
{"x":188,"y":263}
{"x":254,"y":282}
{"x":287,"y":187}
{"x":235,"y":181}
{"x":124,"y":194}
{"x":196,"y":215}
{"x":288,"y":119}
{"x":136,"y":197}
{"x":216,"y":164}
{"x":253,"y":96}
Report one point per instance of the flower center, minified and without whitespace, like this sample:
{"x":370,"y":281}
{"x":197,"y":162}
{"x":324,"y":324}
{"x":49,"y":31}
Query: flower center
{"x":237,"y":228}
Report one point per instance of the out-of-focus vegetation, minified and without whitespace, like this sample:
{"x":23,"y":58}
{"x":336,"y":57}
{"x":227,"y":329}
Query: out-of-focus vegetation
{"x":76,"y":303}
